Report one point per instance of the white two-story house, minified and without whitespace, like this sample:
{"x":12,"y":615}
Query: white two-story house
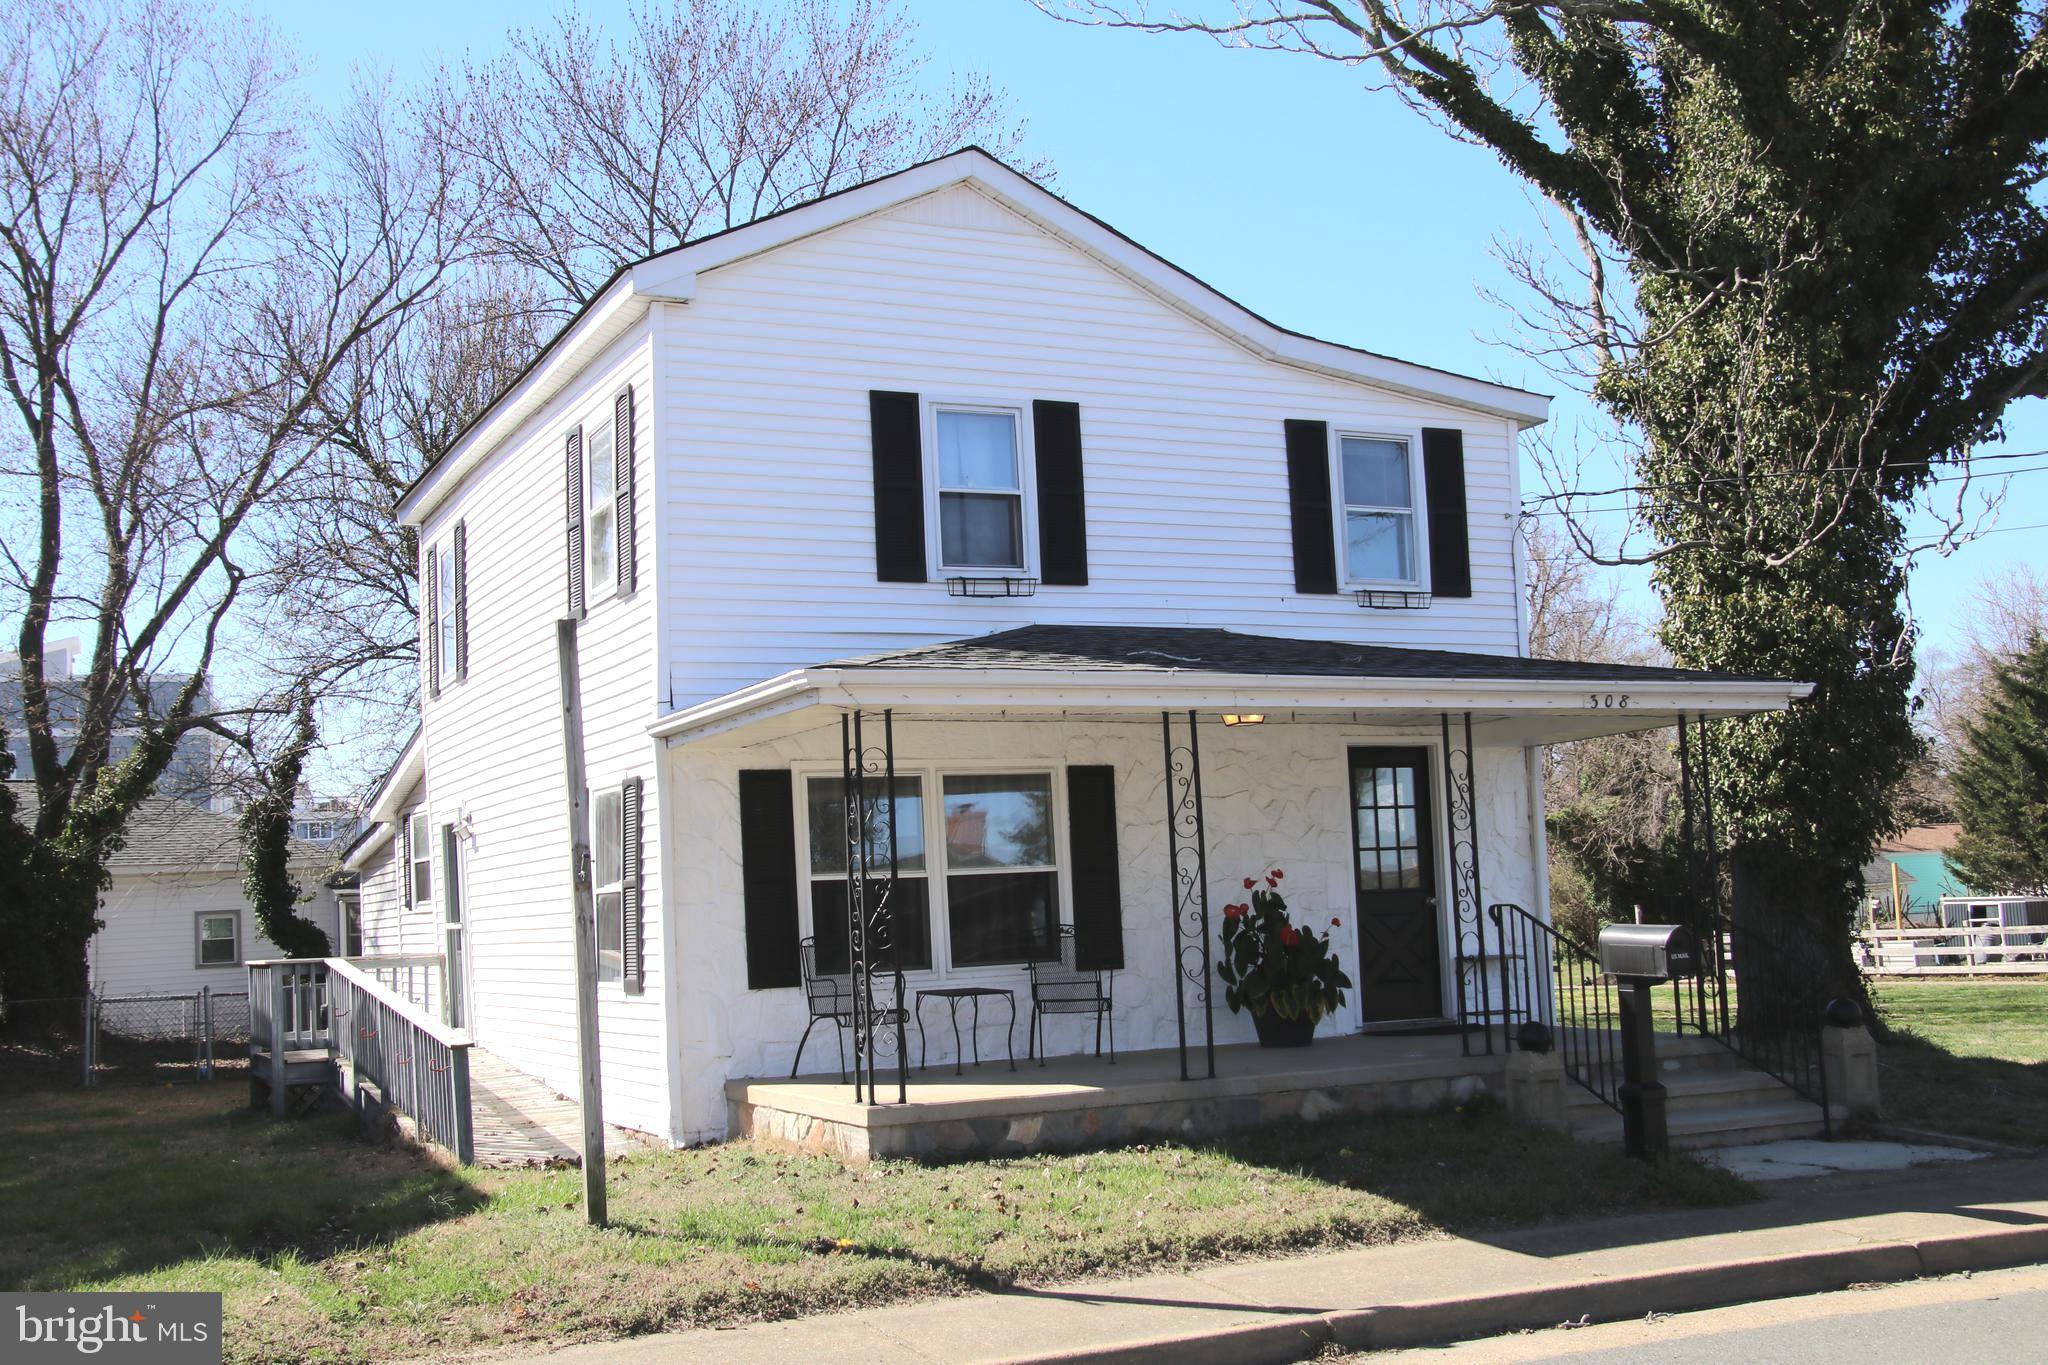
{"x":1134,"y":592}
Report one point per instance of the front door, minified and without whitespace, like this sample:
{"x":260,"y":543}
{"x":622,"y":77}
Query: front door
{"x":1400,"y":956}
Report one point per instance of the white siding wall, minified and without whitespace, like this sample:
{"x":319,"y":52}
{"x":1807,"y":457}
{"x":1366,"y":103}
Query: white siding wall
{"x":390,"y":926}
{"x":768,"y":516}
{"x":1277,"y":795}
{"x":149,"y":944}
{"x":494,"y":749}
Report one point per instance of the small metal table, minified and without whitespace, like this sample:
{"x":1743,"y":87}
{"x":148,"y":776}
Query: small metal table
{"x":953,"y":995}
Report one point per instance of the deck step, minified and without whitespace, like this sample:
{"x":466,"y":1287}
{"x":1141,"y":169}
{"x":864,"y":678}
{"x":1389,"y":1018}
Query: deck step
{"x":1718,"y":1125}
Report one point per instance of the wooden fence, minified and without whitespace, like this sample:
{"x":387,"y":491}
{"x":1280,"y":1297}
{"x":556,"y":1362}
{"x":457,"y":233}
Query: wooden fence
{"x":1957,"y":950}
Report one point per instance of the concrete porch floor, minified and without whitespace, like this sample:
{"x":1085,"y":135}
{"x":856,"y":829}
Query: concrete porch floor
{"x":1077,"y":1102}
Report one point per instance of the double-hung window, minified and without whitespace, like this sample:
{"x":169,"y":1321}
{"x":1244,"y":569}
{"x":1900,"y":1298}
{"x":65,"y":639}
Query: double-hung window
{"x":422,"y":869}
{"x":910,"y":920}
{"x":444,"y":604}
{"x":1378,"y":485}
{"x":220,"y":939}
{"x":981,"y":489}
{"x":607,"y":882}
{"x":1002,"y":885}
{"x":600,"y":531}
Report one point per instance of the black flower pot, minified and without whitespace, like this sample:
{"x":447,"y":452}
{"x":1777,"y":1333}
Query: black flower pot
{"x":1277,"y":1032}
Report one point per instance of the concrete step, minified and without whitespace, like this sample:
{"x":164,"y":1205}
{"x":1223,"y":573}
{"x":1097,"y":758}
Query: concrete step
{"x":1690,"y":1086}
{"x":1717,"y":1125}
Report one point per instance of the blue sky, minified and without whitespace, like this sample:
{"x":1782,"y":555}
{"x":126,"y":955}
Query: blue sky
{"x":1282,"y":181}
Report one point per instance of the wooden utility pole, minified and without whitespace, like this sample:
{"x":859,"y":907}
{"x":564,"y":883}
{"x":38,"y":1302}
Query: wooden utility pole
{"x":589,"y":1092}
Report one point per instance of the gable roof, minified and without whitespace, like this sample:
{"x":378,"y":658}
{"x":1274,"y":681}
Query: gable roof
{"x":166,"y":832}
{"x":671,"y":276}
{"x":1923,"y":839}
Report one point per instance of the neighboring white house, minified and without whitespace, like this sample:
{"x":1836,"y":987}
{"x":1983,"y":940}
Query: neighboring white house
{"x":945,"y":447}
{"x":174,"y":918}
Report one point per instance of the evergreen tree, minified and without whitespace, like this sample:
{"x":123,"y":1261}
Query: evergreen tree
{"x":2002,"y":782}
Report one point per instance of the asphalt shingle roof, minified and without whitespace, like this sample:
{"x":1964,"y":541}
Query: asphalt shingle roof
{"x":168,"y":832}
{"x":1168,"y":649}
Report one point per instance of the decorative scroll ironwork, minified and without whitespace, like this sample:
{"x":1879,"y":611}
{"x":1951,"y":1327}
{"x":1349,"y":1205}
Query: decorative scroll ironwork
{"x":1468,"y":924}
{"x":868,"y":777}
{"x":1187,"y":852}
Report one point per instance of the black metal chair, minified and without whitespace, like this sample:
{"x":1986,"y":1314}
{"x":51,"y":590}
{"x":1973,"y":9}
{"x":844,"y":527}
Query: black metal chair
{"x":1060,"y":987}
{"x":830,"y":996}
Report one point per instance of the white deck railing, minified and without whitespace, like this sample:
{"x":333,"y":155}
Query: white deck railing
{"x":1958,"y":950}
{"x":371,"y":1034}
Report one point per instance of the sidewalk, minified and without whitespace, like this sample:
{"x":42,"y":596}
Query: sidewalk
{"x":1803,"y":1238}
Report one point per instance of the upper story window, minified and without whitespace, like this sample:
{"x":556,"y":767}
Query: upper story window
{"x":444,"y":606}
{"x":1377,"y":478}
{"x":981,"y":489}
{"x":600,"y":531}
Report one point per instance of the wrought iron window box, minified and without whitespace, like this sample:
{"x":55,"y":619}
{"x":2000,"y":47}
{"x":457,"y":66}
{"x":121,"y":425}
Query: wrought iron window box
{"x":1391,"y":599}
{"x":991,"y":587}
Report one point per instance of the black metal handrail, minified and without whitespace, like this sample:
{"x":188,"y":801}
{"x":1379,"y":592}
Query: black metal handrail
{"x":1552,"y":979}
{"x":1759,"y":995}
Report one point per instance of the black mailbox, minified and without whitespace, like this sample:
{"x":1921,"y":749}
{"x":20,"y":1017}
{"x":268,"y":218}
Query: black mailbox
{"x":1656,"y":952}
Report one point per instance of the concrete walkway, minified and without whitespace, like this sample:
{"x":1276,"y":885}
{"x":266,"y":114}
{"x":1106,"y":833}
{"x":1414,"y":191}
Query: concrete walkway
{"x":1806,"y":1237}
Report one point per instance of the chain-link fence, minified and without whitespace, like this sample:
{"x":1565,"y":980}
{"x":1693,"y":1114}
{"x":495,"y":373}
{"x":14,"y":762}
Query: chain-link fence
{"x":123,"y":1039}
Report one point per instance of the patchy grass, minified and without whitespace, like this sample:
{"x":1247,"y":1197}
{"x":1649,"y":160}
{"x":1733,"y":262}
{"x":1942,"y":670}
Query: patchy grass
{"x":330,"y":1250}
{"x":1970,"y":1058}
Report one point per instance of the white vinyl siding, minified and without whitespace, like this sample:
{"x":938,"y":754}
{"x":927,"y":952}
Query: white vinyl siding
{"x":148,"y":942}
{"x":766,"y":530}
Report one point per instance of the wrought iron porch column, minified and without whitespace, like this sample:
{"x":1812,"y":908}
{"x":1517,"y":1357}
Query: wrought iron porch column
{"x":1468,"y":924}
{"x":871,"y":946}
{"x":1187,"y":855}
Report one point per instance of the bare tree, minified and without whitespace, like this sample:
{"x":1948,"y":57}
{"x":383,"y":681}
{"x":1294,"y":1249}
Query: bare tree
{"x":182,"y":277}
{"x":710,"y":113}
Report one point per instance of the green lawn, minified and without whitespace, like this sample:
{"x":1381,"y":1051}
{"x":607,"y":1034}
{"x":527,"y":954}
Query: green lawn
{"x":327,"y":1249}
{"x":1971,"y":1058}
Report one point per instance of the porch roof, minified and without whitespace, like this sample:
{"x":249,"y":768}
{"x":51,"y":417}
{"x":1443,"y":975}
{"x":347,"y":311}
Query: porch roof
{"x":1039,"y":671}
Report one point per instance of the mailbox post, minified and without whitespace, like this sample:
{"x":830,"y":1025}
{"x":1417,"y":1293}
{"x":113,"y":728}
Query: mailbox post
{"x":1640,"y":957}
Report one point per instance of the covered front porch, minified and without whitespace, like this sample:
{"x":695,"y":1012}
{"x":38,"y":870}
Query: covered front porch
{"x":1400,"y":789}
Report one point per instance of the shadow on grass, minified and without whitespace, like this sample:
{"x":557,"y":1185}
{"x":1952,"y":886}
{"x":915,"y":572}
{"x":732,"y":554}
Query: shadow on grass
{"x":109,"y":1183}
{"x":1924,"y":1085}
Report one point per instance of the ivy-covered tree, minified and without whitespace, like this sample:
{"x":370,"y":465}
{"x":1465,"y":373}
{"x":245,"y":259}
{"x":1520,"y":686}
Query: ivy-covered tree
{"x":2001,"y":782}
{"x":266,"y":823}
{"x":1815,"y":269}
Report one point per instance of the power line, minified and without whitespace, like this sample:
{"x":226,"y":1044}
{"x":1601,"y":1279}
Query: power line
{"x":1572,"y":494}
{"x":1625,"y":507}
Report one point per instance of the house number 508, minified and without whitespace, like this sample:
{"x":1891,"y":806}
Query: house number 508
{"x":1607,"y":701}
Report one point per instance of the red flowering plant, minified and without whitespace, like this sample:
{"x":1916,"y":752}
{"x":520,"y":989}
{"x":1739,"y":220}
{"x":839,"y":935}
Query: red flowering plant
{"x":1273,"y":966}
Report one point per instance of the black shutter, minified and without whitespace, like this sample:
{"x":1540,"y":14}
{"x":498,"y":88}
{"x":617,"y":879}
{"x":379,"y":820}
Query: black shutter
{"x":1062,"y":503}
{"x":461,"y":601}
{"x":1098,"y":898}
{"x":1308,"y":497}
{"x":1443,"y":478}
{"x":434,"y":622}
{"x":899,"y":487}
{"x":405,"y":856}
{"x":624,"y":500}
{"x":768,"y":877}
{"x":632,"y":940}
{"x":574,"y":457}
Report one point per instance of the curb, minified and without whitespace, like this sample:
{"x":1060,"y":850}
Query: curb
{"x":1612,"y":1298}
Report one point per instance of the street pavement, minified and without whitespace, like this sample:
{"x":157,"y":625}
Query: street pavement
{"x":1991,"y":1316}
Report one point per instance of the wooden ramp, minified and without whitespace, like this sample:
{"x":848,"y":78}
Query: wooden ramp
{"x":521,"y":1122}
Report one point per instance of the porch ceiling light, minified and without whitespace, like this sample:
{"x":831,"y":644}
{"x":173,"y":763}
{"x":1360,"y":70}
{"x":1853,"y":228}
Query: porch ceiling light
{"x":1253,"y":718}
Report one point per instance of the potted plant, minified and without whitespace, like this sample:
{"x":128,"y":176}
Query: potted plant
{"x":1285,"y":975}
